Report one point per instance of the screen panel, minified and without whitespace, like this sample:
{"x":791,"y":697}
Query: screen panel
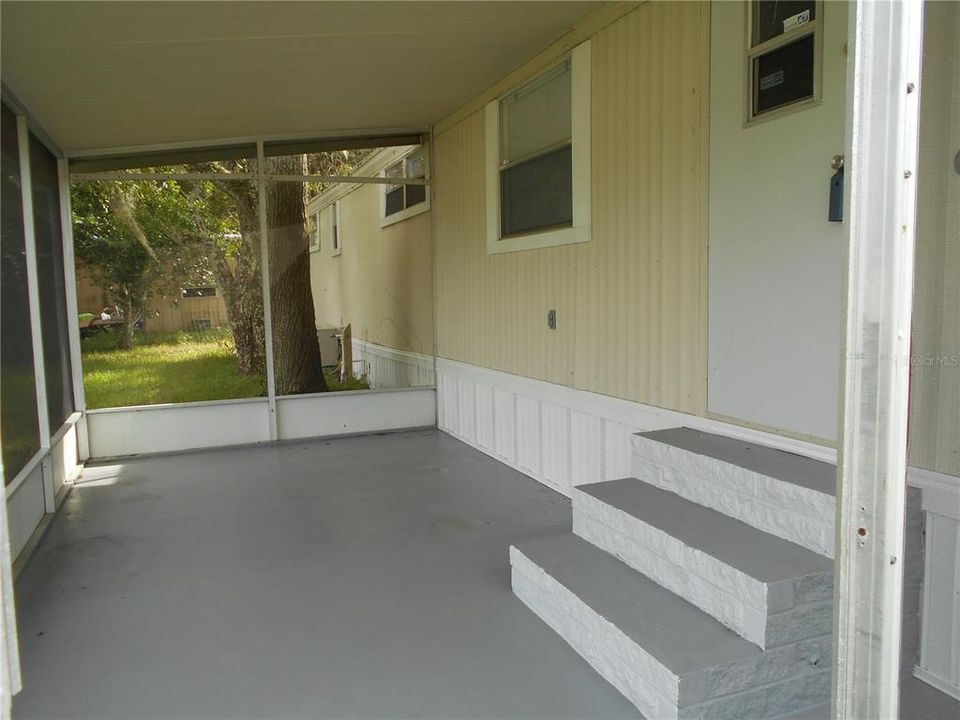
{"x":51,"y":285}
{"x":19,"y":427}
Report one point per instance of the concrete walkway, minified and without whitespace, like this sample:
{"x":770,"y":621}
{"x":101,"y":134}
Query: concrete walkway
{"x":356,"y":578}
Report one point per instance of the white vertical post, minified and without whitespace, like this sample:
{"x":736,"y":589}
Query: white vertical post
{"x":73,"y":312}
{"x":883,"y":92}
{"x":265,"y":281}
{"x":33,"y":294}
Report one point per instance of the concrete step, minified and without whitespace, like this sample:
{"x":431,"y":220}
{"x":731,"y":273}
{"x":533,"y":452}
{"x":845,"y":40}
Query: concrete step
{"x":666,"y":656}
{"x":767,"y":589}
{"x":781,"y":493}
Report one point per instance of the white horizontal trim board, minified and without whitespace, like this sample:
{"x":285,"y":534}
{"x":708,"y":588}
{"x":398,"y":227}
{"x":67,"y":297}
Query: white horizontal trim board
{"x":562,"y":436}
{"x":387,"y":367}
{"x":348,"y":413}
{"x":147,"y":429}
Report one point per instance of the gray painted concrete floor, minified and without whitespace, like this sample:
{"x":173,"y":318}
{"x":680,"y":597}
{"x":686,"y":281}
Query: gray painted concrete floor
{"x":355,"y":578}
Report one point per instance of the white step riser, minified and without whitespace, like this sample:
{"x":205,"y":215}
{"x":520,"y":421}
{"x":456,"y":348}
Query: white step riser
{"x":779,"y":681}
{"x":794,"y":513}
{"x":652,"y":688}
{"x":765,"y":615}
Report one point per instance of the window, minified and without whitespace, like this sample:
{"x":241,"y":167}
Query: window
{"x":200,"y":292}
{"x":313,"y":230}
{"x":783,"y":56}
{"x":335,"y":229}
{"x":538,"y":159}
{"x":400,"y":200}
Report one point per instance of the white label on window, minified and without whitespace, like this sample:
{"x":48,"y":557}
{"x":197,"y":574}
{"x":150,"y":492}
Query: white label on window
{"x":797,"y":20}
{"x":771,"y":80}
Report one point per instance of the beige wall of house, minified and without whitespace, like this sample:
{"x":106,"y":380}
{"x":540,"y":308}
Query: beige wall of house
{"x":631,"y":302}
{"x":935,"y":372}
{"x":380,"y":281}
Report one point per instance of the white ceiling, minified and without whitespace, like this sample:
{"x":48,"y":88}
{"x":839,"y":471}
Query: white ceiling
{"x":100,"y":75}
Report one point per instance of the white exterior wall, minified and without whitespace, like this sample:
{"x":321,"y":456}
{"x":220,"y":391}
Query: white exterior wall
{"x":776,"y":263}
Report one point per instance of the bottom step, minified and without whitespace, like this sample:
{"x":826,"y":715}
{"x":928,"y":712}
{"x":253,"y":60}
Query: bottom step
{"x":666,"y":656}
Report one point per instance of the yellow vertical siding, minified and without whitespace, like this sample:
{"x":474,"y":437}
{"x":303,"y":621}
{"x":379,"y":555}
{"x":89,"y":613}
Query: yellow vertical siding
{"x":935,"y":370}
{"x":631,"y":302}
{"x":381,"y":282}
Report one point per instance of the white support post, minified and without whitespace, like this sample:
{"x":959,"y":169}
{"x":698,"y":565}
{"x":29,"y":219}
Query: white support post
{"x":883,"y":90}
{"x":73,"y":311}
{"x":265,"y":281}
{"x":33,"y":294}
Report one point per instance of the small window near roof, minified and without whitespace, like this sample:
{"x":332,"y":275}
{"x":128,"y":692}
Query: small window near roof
{"x":399,"y":197}
{"x":782,"y":56}
{"x":335,"y":233}
{"x":313,"y":230}
{"x":199,"y":292}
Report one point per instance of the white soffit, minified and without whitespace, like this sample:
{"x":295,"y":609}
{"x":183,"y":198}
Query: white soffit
{"x":101,"y":75}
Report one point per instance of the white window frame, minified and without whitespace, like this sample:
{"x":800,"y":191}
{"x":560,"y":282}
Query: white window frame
{"x":815,"y":28}
{"x":315,"y":242}
{"x":580,"y":141}
{"x":413,"y":210}
{"x":336,"y":228}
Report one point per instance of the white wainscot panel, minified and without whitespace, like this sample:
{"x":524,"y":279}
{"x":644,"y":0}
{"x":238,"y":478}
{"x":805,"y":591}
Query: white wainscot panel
{"x":349,"y":413}
{"x":187,"y":426}
{"x":528,"y":435}
{"x":940,"y":615}
{"x":555,"y":446}
{"x":386,"y":367}
{"x":25,"y":510}
{"x":561,"y":436}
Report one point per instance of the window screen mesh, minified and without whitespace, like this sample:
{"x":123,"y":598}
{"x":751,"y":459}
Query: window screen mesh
{"x":19,"y":429}
{"x":53,"y":299}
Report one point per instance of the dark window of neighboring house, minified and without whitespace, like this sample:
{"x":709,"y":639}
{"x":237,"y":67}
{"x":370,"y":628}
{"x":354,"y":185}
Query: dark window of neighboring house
{"x":399,"y":197}
{"x":19,"y":427}
{"x":199,"y":292}
{"x":53,"y":296}
{"x":536,"y":168}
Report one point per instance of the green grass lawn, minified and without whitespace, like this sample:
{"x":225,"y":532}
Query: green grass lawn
{"x":171,"y":368}
{"x":164,"y":368}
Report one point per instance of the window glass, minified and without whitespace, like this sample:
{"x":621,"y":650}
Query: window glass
{"x":335,"y":234}
{"x":313,"y":229}
{"x":784,"y":76}
{"x":774,"y":17}
{"x":537,"y":193}
{"x":53,"y":299}
{"x":537,"y":116}
{"x":19,"y":428}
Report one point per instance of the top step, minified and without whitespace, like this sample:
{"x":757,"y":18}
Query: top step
{"x":778,"y":464}
{"x":787,"y":495}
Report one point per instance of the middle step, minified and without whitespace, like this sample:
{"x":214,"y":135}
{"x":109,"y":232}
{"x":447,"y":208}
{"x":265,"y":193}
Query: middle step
{"x":767,"y":589}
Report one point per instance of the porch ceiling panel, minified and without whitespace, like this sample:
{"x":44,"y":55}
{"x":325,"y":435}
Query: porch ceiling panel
{"x":122,"y":74}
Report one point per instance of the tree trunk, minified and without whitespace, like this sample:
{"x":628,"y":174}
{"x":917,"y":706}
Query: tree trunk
{"x":126,"y":329}
{"x":296,"y":353}
{"x":242,"y":286}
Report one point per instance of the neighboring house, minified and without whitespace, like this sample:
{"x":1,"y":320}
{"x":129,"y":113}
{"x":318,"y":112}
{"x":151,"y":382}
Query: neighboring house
{"x":370,"y":268}
{"x":197,"y":308}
